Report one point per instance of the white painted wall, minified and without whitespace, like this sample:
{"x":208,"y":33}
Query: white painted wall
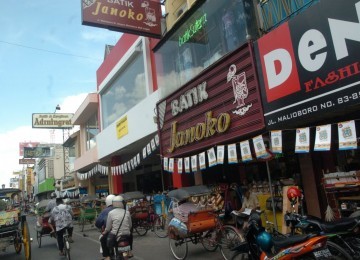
{"x":140,"y":124}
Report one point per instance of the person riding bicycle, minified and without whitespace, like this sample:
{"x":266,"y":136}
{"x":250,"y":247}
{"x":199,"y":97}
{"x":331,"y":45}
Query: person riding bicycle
{"x":52,"y":203}
{"x":118,"y":224}
{"x":100,"y":223}
{"x":61,"y":216}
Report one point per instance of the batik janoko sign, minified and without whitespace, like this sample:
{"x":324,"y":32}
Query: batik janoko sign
{"x":135,"y":17}
{"x":221,"y":104}
{"x":312,"y":69}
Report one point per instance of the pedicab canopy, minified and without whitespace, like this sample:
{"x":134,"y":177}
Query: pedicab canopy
{"x":9,"y":213}
{"x":132,"y":195}
{"x":186,"y":192}
{"x":42,"y":204}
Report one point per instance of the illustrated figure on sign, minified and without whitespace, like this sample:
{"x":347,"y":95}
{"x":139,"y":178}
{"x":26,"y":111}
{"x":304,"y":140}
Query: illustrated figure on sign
{"x":239,"y":86}
{"x":150,"y":14}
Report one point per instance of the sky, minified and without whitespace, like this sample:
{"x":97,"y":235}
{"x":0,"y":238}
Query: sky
{"x":47,"y":57}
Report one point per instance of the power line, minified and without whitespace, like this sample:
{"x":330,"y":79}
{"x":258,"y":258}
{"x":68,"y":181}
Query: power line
{"x":44,"y":50}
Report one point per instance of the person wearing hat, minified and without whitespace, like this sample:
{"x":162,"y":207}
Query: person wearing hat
{"x":100,"y":223}
{"x":52,"y":203}
{"x":61,"y":216}
{"x":118,"y":224}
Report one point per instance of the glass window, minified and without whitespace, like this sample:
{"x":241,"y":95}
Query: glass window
{"x":127,"y":90}
{"x":92,"y":129}
{"x":213,"y":30}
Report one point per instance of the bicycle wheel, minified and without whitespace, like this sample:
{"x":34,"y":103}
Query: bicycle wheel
{"x":38,"y":238}
{"x":67,"y":248}
{"x":230,"y":237}
{"x":209,"y":241}
{"x":160,"y":227}
{"x":337,"y":251}
{"x":141,"y":229}
{"x":179,"y":248}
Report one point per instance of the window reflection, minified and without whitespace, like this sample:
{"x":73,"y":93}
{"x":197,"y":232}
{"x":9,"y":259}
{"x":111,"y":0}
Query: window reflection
{"x":213,"y":30}
{"x":127,"y":90}
{"x":92,"y":129}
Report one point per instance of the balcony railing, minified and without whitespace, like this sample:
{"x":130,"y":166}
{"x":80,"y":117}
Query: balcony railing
{"x":272,"y":13}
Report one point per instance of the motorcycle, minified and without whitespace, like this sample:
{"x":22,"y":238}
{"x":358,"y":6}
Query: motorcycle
{"x":259,"y":244}
{"x":343,"y":234}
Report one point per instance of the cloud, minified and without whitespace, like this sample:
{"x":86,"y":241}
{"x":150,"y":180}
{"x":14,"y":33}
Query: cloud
{"x":100,"y":36}
{"x":9,"y":148}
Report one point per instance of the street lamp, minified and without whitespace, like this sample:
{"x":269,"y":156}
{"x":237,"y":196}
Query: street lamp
{"x":59,"y":108}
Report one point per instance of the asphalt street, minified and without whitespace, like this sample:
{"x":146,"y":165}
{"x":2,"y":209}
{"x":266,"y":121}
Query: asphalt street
{"x":87,"y":246}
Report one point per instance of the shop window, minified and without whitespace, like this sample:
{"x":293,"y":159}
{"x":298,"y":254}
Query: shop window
{"x":92,"y":129}
{"x":127,"y":89}
{"x":213,"y":30}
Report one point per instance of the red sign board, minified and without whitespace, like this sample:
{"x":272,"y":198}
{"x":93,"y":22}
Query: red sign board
{"x":26,"y":161}
{"x":135,"y":17}
{"x":220,"y":106}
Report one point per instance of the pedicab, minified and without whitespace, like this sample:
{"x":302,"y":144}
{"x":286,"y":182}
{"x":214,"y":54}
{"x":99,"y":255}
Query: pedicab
{"x":14,"y":229}
{"x":42,"y":227}
{"x":88,"y":211}
{"x":197,"y":220}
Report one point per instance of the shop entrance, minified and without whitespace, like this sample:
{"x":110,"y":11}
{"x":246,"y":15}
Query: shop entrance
{"x":149,"y":183}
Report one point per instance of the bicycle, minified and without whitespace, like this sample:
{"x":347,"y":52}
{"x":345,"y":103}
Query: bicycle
{"x":225,"y":237}
{"x":66,"y":249}
{"x":160,"y":221}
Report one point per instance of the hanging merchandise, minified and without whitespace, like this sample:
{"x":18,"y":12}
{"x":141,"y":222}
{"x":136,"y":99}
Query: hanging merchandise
{"x":180,"y":165}
{"x":276,"y":141}
{"x":259,"y":147}
{"x":171,"y":165}
{"x":153,"y":147}
{"x":245,"y":151}
{"x":302,"y":140}
{"x":138,"y":158}
{"x":156,"y":139}
{"x":323,"y":138}
{"x":220,"y":154}
{"x":144,"y":152}
{"x":194,"y":163}
{"x":232,"y":155}
{"x":148,"y":149}
{"x":187,"y":164}
{"x":347,"y":135}
{"x":211,"y":157}
{"x":166,"y":165}
{"x":202,"y":163}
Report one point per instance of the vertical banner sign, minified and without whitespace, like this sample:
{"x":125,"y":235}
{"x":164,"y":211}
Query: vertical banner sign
{"x":144,"y":152}
{"x":311,"y":69}
{"x":347,"y":135}
{"x":245,"y":151}
{"x":148,"y":148}
{"x":138,"y":158}
{"x":232,"y":155}
{"x":166,"y":165}
{"x":171,"y":165}
{"x":134,"y":17}
{"x":259,"y":147}
{"x":125,"y":166}
{"x":157,"y":140}
{"x":202,"y":163}
{"x":211,"y":157}
{"x":194,"y":163}
{"x":187,"y":164}
{"x":276,"y":141}
{"x":220,"y":154}
{"x":323,"y":138}
{"x":302,"y":144}
{"x":180,"y":165}
{"x":153,"y":147}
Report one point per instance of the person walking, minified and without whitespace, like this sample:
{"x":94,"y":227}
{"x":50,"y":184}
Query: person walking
{"x":100,"y":223}
{"x":61,"y":216}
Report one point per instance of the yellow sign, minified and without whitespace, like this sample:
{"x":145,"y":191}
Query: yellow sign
{"x":122,"y":127}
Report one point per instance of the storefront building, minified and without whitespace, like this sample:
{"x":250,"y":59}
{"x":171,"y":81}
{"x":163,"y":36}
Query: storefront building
{"x":310,"y":86}
{"x":128,"y":94}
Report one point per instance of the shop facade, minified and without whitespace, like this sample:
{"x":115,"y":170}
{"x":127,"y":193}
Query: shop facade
{"x":310,"y":81}
{"x":128,"y":94}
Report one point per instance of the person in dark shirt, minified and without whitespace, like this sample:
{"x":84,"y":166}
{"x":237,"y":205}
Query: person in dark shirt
{"x":100,"y":223}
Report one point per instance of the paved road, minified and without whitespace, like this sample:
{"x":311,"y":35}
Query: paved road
{"x":86,"y":246}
